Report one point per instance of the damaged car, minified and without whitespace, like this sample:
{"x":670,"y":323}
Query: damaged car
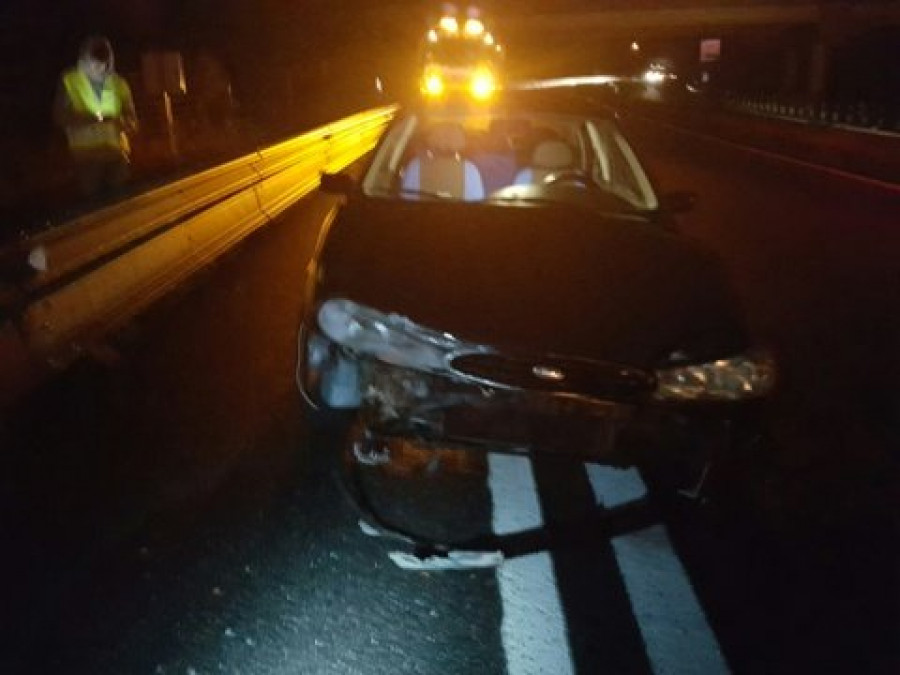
{"x":508,"y":279}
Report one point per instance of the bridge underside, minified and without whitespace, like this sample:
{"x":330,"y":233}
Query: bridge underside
{"x":792,"y":47}
{"x":669,"y":22}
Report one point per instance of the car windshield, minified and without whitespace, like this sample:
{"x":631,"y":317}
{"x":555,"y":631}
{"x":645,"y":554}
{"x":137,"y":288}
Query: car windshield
{"x":509,"y":157}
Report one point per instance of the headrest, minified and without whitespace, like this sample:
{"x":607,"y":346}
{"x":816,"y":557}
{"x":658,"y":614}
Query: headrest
{"x":552,"y":154}
{"x":447,"y":139}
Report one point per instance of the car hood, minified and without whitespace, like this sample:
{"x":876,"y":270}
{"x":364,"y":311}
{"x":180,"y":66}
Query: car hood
{"x":565,"y":281}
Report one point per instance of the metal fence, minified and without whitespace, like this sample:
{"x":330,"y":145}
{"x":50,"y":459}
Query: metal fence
{"x":862,"y":115}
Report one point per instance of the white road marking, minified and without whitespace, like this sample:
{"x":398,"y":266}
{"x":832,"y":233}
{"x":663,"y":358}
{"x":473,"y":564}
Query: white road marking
{"x":676,"y":633}
{"x":533,"y":630}
{"x":614,"y":487}
{"x":840,"y":173}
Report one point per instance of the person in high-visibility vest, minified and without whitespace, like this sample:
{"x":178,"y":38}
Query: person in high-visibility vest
{"x":95,"y":108}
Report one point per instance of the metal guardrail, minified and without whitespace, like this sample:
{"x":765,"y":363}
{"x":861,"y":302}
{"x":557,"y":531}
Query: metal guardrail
{"x":857,"y":115}
{"x":100,"y":269}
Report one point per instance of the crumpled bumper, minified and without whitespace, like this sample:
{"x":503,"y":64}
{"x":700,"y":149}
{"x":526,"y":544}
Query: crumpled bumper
{"x":439,"y":410}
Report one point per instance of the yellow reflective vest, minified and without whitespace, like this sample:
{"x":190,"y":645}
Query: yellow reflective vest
{"x":107,"y":133}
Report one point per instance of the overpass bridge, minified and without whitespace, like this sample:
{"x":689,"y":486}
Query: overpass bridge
{"x":800,"y":43}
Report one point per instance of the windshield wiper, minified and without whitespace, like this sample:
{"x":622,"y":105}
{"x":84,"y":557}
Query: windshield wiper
{"x":612,"y":208}
{"x":432,"y":194}
{"x":522,"y":199}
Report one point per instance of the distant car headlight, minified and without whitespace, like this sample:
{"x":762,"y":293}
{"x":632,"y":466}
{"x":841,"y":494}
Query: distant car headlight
{"x":747,"y":376}
{"x":389,"y":338}
{"x":433,"y":84}
{"x":483,"y":84}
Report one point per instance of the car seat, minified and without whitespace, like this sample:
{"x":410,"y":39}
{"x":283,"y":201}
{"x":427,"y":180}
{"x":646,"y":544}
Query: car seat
{"x":441,"y":168}
{"x":548,"y":157}
{"x":495,"y":157}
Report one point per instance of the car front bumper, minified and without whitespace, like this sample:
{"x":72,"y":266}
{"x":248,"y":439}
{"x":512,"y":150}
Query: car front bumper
{"x":447,"y":413}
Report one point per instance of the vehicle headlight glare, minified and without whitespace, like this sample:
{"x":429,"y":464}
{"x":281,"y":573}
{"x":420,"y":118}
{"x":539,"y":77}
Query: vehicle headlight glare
{"x":433,"y":85}
{"x":747,"y":376}
{"x":482,"y":85}
{"x":389,"y":338}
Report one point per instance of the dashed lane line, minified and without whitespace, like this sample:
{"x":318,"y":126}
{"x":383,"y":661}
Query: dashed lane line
{"x":533,"y":629}
{"x":676,"y":634}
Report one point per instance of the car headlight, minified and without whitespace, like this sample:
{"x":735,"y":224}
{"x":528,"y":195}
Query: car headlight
{"x":389,"y":338}
{"x":483,"y":84}
{"x":746,"y":376}
{"x":433,"y":83}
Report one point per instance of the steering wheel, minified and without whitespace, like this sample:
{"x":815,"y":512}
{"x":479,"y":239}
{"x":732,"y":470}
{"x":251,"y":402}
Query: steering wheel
{"x":566,"y":176}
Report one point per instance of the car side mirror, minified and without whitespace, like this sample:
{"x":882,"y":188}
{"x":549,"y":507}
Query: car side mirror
{"x":337,"y":183}
{"x":677,"y":202}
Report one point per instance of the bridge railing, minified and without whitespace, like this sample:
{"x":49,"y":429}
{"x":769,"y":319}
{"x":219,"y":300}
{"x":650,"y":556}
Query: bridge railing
{"x":862,"y":115}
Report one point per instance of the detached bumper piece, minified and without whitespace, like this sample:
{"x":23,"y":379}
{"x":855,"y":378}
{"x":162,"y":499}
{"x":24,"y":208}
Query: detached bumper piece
{"x":451,"y":560}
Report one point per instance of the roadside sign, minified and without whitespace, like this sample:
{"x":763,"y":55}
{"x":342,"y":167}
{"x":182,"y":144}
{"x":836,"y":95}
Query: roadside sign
{"x":710,"y":50}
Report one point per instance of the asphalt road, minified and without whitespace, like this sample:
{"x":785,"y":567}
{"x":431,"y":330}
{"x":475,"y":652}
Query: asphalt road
{"x":164,"y":510}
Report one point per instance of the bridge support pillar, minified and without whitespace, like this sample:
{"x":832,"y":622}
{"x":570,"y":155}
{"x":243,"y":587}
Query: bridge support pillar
{"x":818,"y":69}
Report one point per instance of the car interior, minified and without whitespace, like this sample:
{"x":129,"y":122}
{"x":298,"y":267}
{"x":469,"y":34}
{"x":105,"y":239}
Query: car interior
{"x":472,"y":157}
{"x":440,"y":167}
{"x":549,"y":157}
{"x":451,"y":161}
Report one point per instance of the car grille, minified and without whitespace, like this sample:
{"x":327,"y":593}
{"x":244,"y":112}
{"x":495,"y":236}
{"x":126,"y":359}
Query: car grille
{"x":552,"y":374}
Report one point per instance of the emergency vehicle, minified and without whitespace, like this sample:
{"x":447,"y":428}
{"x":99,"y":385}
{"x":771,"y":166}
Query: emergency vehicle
{"x":461,"y":58}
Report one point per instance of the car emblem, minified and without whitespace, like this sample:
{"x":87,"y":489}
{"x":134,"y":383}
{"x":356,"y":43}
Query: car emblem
{"x":551,"y":373}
